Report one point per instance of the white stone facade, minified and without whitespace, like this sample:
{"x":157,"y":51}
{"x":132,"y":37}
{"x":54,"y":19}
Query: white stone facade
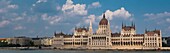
{"x":84,"y":38}
{"x":22,"y":41}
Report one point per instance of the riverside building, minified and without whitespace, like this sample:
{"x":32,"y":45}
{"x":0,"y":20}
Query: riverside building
{"x":103,"y":38}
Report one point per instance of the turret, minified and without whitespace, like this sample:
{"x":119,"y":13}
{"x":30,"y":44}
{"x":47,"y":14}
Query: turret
{"x":90,"y":28}
{"x":122,"y":25}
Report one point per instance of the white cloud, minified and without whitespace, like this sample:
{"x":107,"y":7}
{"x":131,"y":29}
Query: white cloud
{"x":4,"y":23}
{"x":44,"y":16}
{"x":51,"y":19}
{"x":46,"y":27}
{"x":54,"y":19}
{"x":152,"y":16}
{"x":169,"y":27}
{"x":159,"y":18}
{"x":109,"y":14}
{"x":13,"y":6}
{"x":77,"y":9}
{"x":86,"y":20}
{"x":33,"y":4}
{"x":6,"y":6}
{"x":17,"y":18}
{"x":168,"y":20}
{"x":116,"y":28}
{"x":68,"y":5}
{"x":78,"y":24}
{"x":18,"y":27}
{"x":58,"y":7}
{"x":95,"y":5}
{"x":120,"y":13}
{"x":39,"y":1}
{"x":3,"y":10}
{"x":90,"y":18}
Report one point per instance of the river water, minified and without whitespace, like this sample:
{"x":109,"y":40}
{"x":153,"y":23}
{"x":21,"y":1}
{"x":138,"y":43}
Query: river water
{"x":77,"y":51}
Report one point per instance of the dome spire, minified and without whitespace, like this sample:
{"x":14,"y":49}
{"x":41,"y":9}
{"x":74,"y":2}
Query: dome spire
{"x":90,"y":28}
{"x":103,"y":21}
{"x":104,"y":15}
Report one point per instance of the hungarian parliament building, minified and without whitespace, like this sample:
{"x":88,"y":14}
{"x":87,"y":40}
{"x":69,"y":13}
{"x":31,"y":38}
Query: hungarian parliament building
{"x":103,"y":38}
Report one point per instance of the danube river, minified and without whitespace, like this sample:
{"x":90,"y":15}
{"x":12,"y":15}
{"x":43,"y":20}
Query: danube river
{"x":77,"y":51}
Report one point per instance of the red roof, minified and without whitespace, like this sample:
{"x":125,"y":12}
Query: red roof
{"x":81,"y":29}
{"x":115,"y":34}
{"x":3,"y":38}
{"x":128,"y":28}
{"x":153,"y":32}
{"x":138,"y":35}
{"x":103,"y":21}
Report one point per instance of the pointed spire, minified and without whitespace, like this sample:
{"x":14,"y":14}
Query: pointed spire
{"x":132,"y":23}
{"x":75,"y":28}
{"x":90,"y":24}
{"x":109,"y":27}
{"x":146,"y":30}
{"x":108,"y":23}
{"x":61,"y":32}
{"x":90,"y":28}
{"x":84,"y":26}
{"x":122,"y":25}
{"x":155,"y":29}
{"x":103,"y":15}
{"x":55,"y":33}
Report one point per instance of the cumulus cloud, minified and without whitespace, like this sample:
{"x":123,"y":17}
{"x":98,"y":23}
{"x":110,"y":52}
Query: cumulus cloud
{"x":161,"y":20}
{"x":86,"y":20}
{"x":51,"y":19}
{"x":6,"y":6}
{"x":19,"y":27}
{"x":12,"y":6}
{"x":152,"y":16}
{"x":120,"y":13}
{"x":77,"y":9}
{"x":169,"y":27}
{"x":58,"y":7}
{"x":2,"y":10}
{"x":90,"y":18}
{"x":168,"y":20}
{"x":46,"y":27}
{"x":4,"y":23}
{"x":95,"y":5}
{"x":18,"y":18}
{"x":116,"y":28}
{"x":159,"y":17}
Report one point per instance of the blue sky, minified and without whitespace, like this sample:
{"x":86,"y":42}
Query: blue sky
{"x":44,"y":17}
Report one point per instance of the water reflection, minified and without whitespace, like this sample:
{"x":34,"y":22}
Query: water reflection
{"x":77,"y":51}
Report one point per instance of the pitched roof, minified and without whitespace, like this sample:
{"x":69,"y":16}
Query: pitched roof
{"x":128,"y":28}
{"x":81,"y":29}
{"x":115,"y":34}
{"x":153,"y":32}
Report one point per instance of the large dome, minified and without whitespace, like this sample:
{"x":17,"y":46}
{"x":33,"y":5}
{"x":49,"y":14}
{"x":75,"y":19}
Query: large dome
{"x":103,"y":21}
